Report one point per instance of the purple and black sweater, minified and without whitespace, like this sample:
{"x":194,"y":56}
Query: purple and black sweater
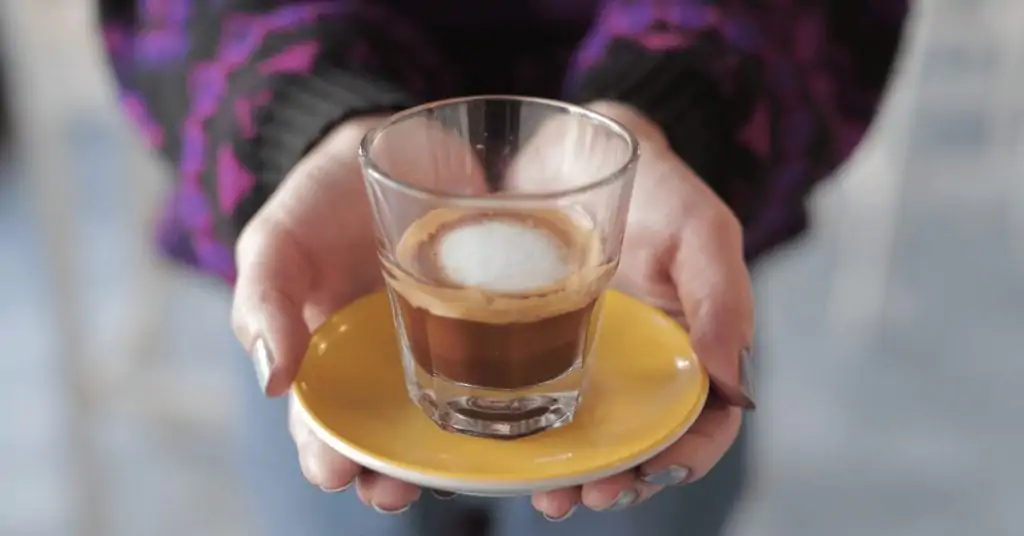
{"x":761,"y":97}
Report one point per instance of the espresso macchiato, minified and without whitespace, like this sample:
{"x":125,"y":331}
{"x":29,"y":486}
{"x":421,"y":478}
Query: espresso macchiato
{"x":498,"y":299}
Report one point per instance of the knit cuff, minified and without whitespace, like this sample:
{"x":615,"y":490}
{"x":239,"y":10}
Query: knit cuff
{"x":302,"y":112}
{"x":676,"y":90}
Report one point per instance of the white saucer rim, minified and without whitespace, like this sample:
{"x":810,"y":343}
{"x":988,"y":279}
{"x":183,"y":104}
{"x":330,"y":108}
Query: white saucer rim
{"x":486,"y":488}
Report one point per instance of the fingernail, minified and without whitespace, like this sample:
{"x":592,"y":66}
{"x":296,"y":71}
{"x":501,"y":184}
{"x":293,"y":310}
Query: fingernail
{"x":263,"y":361}
{"x":443,"y":495}
{"x":624,"y":500}
{"x":336,"y":490}
{"x":747,"y":379}
{"x":392,"y":512}
{"x":743,"y":396}
{"x":565,"y":516}
{"x":670,"y":476}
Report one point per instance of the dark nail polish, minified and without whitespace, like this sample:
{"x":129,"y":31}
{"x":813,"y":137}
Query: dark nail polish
{"x":263,"y":361}
{"x":746,"y":378}
{"x":670,"y":476}
{"x":443,"y":495}
{"x":567,"y":515}
{"x":391,"y":512}
{"x":739,"y":397}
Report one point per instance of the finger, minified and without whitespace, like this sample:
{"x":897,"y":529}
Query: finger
{"x":557,"y":505}
{"x":320,"y":464}
{"x":266,"y":311}
{"x":385,"y":494}
{"x":646,"y":492}
{"x":364,"y":483}
{"x":710,"y":274}
{"x":612,"y":493}
{"x":703,"y":445}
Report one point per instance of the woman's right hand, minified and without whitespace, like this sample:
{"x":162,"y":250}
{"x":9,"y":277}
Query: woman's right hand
{"x":311,"y":250}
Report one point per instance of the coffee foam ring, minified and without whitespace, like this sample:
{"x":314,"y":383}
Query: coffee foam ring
{"x":562,"y":296}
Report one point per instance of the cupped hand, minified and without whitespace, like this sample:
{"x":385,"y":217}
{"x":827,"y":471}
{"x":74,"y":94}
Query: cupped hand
{"x":310,"y":251}
{"x":683,"y":253}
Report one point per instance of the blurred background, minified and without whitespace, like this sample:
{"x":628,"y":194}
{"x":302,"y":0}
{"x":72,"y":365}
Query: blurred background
{"x":891,"y":374}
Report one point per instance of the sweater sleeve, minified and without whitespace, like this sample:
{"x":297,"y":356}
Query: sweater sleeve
{"x":234,"y":92}
{"x":762,"y":99}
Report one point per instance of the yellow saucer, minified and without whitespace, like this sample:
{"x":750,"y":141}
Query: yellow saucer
{"x":645,"y":389}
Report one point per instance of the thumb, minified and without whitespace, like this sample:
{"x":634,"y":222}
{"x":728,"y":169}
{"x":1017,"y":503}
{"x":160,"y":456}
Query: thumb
{"x":714,"y":288}
{"x":275,"y":272}
{"x":267,"y":310}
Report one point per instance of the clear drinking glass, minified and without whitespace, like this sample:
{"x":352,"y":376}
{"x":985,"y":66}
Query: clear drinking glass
{"x":499,"y":224}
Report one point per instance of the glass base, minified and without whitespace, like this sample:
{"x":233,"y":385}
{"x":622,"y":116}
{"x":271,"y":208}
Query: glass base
{"x":496,"y":414}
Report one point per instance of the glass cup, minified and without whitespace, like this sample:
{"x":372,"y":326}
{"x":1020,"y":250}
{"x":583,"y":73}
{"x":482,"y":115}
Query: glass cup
{"x":499,"y":224}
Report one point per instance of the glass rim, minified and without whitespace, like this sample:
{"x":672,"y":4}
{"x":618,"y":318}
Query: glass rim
{"x":370,"y":167}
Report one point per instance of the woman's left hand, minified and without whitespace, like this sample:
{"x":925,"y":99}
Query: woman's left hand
{"x":683,"y":253}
